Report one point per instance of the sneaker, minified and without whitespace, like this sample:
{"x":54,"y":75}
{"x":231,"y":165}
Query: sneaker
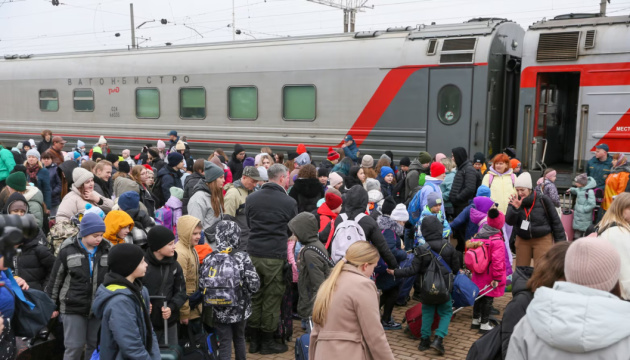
{"x":485,"y":327}
{"x":391,"y":325}
{"x":476,"y":323}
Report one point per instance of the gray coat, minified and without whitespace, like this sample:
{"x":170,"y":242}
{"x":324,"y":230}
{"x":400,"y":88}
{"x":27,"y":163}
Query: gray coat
{"x":200,"y":206}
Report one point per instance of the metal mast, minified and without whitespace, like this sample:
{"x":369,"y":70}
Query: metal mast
{"x":350,"y":9}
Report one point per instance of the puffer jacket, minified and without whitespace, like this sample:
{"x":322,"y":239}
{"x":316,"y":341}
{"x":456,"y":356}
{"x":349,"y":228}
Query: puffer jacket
{"x":234,"y":203}
{"x":55,"y":185}
{"x":142,"y":223}
{"x":543,"y":218}
{"x":560,"y":324}
{"x":189,"y":184}
{"x":618,"y":237}
{"x":392,"y":231}
{"x":352,"y":152}
{"x":169,"y":177}
{"x":314,"y":265}
{"x":549,"y":189}
{"x":35,"y":200}
{"x":584,"y":205}
{"x":200,"y":206}
{"x":426,"y":212}
{"x":72,"y":286}
{"x":176,"y":206}
{"x":174,"y":287}
{"x":7,"y":163}
{"x":189,"y":261}
{"x":73,"y":203}
{"x":44,"y":145}
{"x":501,"y":188}
{"x":42,"y":182}
{"x":115,"y":221}
{"x":466,"y":180}
{"x":616,"y":183}
{"x":307,"y":192}
{"x":493,"y":240}
{"x":517,"y":307}
{"x":34,"y":263}
{"x":431,"y":185}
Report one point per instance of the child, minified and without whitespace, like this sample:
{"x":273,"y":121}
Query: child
{"x":79,"y":269}
{"x":491,"y":237}
{"x":189,"y":231}
{"x":386,"y":179}
{"x":313,"y":263}
{"x":164,"y":277}
{"x":546,"y":185}
{"x":118,"y":224}
{"x":230,"y":320}
{"x":175,"y":204}
{"x":433,"y":209}
{"x":432,"y":230}
{"x":584,"y":204}
{"x":515,"y":164}
{"x":123,"y":305}
{"x":446,"y":185}
{"x":322,"y":176}
{"x":328,"y":213}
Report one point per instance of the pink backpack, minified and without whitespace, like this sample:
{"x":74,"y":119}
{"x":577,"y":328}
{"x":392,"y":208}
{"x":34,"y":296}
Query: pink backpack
{"x":164,"y":217}
{"x":477,"y":259}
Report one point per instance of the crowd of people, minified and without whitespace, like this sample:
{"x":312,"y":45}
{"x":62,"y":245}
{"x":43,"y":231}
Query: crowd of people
{"x":239,"y":246}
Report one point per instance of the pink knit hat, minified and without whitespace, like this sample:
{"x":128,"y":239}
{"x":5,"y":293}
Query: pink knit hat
{"x":439,"y":157}
{"x":495,"y":218}
{"x":592,"y":262}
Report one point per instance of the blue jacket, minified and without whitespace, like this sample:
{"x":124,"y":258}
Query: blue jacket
{"x":43,"y":184}
{"x":599,"y":170}
{"x":446,"y":228}
{"x":384,"y":281}
{"x":352,"y":152}
{"x":463,"y":219}
{"x":169,"y":177}
{"x":55,"y":185}
{"x":417,"y":205}
{"x":446,"y":186}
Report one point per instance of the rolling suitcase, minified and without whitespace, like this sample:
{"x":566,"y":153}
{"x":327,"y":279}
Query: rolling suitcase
{"x":302,"y":343}
{"x":567,"y":217}
{"x":168,"y":352}
{"x":44,"y":346}
{"x":413,"y":317}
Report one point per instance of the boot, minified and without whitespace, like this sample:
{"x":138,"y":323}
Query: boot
{"x":425,"y":344}
{"x":476,"y":322}
{"x":254,"y":341}
{"x":270,"y":346}
{"x":485,"y":327}
{"x":437,"y":345}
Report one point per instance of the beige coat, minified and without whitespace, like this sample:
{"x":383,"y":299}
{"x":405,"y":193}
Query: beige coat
{"x":353,"y":329}
{"x":189,"y":261}
{"x":73,"y":203}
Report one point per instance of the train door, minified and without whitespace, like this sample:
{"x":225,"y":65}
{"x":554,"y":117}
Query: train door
{"x":450,"y":96}
{"x":557,"y":98}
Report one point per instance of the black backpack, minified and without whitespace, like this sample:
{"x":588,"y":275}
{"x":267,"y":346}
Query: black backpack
{"x":156,"y":191}
{"x":436,"y":283}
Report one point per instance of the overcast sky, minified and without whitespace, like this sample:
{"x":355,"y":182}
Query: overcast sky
{"x":36,"y":26}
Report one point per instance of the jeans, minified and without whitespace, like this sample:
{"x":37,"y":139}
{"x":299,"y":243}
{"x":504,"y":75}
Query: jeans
{"x":266,"y":302}
{"x":228,"y":334}
{"x":482,"y":309}
{"x":79,"y":333}
{"x":444,"y":311}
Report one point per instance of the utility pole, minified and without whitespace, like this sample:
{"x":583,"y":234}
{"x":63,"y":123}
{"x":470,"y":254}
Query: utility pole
{"x":349,"y":7}
{"x":602,"y":7}
{"x":133,"y":28}
{"x":233,"y":23}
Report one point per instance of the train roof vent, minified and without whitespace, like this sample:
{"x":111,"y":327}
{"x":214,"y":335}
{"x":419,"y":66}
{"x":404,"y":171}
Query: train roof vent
{"x":457,"y":58}
{"x":558,"y":46}
{"x":459,"y":44}
{"x":432,"y":47}
{"x":589,"y":43}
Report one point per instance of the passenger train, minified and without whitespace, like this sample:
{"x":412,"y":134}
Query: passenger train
{"x":553,"y":91}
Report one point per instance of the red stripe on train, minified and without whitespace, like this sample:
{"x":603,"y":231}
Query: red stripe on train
{"x":590,"y":74}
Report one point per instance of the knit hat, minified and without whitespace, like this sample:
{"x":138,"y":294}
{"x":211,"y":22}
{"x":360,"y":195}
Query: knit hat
{"x":80,"y":144}
{"x":80,"y":176}
{"x":211,"y":171}
{"x":249,"y":162}
{"x":129,"y":200}
{"x":372,"y":184}
{"x":549,"y":175}
{"x":479,"y":158}
{"x":303,"y":159}
{"x":524,"y":180}
{"x":176,"y":192}
{"x":400,"y":213}
{"x":174,"y":159}
{"x":581,"y":179}
{"x":437,"y":169}
{"x":123,"y":259}
{"x":91,"y":209}
{"x":405,"y":161}
{"x":386,"y":170}
{"x":154,"y":154}
{"x":291,"y":155}
{"x":592,"y":262}
{"x":334,"y":179}
{"x":91,"y":224}
{"x":101,"y":140}
{"x":367,"y":161}
{"x":424,"y":157}
{"x":262,"y":172}
{"x":161,"y":144}
{"x":301,"y":149}
{"x":439,"y":157}
{"x":514,"y":163}
{"x":33,"y":152}
{"x":333,"y":201}
{"x":159,"y":236}
{"x":510,"y":152}
{"x":124,"y":167}
{"x":375,"y":196}
{"x":496,"y":219}
{"x":389,"y":204}
{"x":148,"y":167}
{"x":386,"y":157}
{"x":112,"y":158}
{"x":483,"y":190}
{"x":434,"y":199}
{"x":322,"y":172}
{"x":332,"y":155}
{"x":254,"y":173}
{"x":180,"y":145}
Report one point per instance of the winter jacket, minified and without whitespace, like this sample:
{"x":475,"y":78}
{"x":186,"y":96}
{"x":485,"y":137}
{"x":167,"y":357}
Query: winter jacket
{"x":236,"y":165}
{"x":306,"y":193}
{"x":142,"y":223}
{"x":176,"y":207}
{"x":543,"y":218}
{"x":391,"y":232}
{"x":147,"y":200}
{"x":191,"y":181}
{"x":386,"y":189}
{"x":480,"y":211}
{"x":501,"y":188}
{"x":200,"y":206}
{"x":42,"y":182}
{"x":234,"y":203}
{"x":549,"y":189}
{"x":189,"y":261}
{"x":268,"y":212}
{"x":73,"y":203}
{"x":463,"y":219}
{"x":584,"y":205}
{"x":599,"y":170}
{"x":465,"y":183}
{"x":352,"y":328}
{"x":7,"y":163}
{"x":34,"y":263}
{"x":123,"y":329}
{"x":174,"y":287}
{"x":18,"y":156}
{"x":356,"y":202}
{"x":55,"y":185}
{"x":114,"y":222}
{"x":619,"y":237}
{"x":413,"y":176}
{"x":169,"y":177}
{"x":616,"y":183}
{"x":72,"y":286}
{"x":572,"y":322}
{"x":35,"y":200}
{"x":446,"y":228}
{"x":517,"y":307}
{"x":324,"y":216}
{"x":123,"y":185}
{"x":326,"y":164}
{"x":493,"y":241}
{"x":44,"y":145}
{"x":431,"y":185}
{"x":313,"y":266}
{"x":446,"y":186}
{"x":352,"y":152}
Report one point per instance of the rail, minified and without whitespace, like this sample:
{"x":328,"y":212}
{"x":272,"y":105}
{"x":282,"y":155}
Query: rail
{"x":526,"y":142}
{"x":583,"y":121}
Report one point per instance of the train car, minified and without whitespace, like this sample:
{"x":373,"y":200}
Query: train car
{"x":410,"y":89}
{"x":575,"y":92}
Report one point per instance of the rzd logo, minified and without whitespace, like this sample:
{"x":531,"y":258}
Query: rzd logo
{"x":212,"y":273}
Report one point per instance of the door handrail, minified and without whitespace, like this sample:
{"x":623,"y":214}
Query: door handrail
{"x":526,"y":142}
{"x":583,"y":118}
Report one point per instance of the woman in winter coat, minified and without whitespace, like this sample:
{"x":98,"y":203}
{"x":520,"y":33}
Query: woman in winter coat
{"x":82,"y":194}
{"x":345,"y":314}
{"x":206,"y":204}
{"x":37,"y":174}
{"x":615,"y":227}
{"x":356,"y":176}
{"x":584,"y":203}
{"x":546,"y":185}
{"x":55,"y":182}
{"x":500,"y":179}
{"x":306,"y":189}
{"x":143,"y":178}
{"x":535,"y":221}
{"x":617,"y":180}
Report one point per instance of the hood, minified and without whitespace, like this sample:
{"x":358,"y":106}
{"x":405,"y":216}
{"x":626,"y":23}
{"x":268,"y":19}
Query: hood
{"x":325,"y":210}
{"x":415,"y":165}
{"x":431,"y":228}
{"x":151,"y":259}
{"x":238,"y":148}
{"x":185,"y":227}
{"x":201,"y":186}
{"x":227,"y":236}
{"x":104,"y":294}
{"x":435,"y":181}
{"x":591,"y":184}
{"x":621,"y":168}
{"x":480,"y":210}
{"x":33,"y":194}
{"x":309,"y":188}
{"x":460,"y":155}
{"x":495,"y":173}
{"x":16,"y":196}
{"x":386,"y":223}
{"x":304,"y":226}
{"x":578,"y":319}
{"x":174,"y":203}
{"x":486,"y":231}
{"x":520,"y":278}
{"x":114,"y":221}
{"x":356,"y":201}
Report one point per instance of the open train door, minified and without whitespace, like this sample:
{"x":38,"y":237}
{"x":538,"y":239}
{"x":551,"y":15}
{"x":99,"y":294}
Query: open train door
{"x":450,"y":96}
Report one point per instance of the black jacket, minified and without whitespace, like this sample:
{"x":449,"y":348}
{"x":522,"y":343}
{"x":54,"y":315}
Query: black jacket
{"x":174,"y":287}
{"x":307,"y":193}
{"x":169,"y":177}
{"x":516,"y":309}
{"x":466,"y":180}
{"x":235,"y":165}
{"x":55,"y":184}
{"x":44,"y":145}
{"x":71,"y":287}
{"x":356,"y":202}
{"x":102,"y":187}
{"x":268,"y":212}
{"x":34,"y":263}
{"x":543,"y":218}
{"x":189,"y":185}
{"x":142,"y":223}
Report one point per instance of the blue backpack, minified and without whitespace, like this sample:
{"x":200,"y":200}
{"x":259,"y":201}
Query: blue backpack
{"x":414,"y":209}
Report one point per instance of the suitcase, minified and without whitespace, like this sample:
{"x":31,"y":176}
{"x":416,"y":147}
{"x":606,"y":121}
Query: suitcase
{"x":407,"y":285}
{"x":302,"y":343}
{"x":413,"y":317}
{"x":168,"y":352}
{"x":42,"y":347}
{"x":567,"y":217}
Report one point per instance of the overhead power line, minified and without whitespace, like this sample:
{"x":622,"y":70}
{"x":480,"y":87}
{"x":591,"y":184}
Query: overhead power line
{"x":349,"y":7}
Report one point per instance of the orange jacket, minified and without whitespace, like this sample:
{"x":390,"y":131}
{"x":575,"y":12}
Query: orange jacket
{"x":114,"y":221}
{"x":616,"y":183}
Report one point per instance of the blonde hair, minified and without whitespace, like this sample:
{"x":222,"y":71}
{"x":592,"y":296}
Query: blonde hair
{"x":359,"y":253}
{"x":101,"y":165}
{"x":614,"y":215}
{"x":448,"y":164}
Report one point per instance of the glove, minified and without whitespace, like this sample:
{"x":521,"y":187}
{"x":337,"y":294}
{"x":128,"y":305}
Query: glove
{"x":195,"y":299}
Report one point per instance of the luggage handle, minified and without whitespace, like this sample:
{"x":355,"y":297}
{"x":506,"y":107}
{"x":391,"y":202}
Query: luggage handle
{"x":163,"y":298}
{"x":564,"y":201}
{"x":478,"y":297}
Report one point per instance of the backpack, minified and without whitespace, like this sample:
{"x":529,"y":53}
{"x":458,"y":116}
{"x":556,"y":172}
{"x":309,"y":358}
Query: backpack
{"x":435,"y":285}
{"x":414,"y":208}
{"x":491,"y":177}
{"x":221,"y":280}
{"x":157,"y":193}
{"x":164,"y":217}
{"x":347,"y":233}
{"x":477,"y":259}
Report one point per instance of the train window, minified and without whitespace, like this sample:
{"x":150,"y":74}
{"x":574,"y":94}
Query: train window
{"x":192,"y":103}
{"x":243,"y":103}
{"x":83,"y":100}
{"x":299,"y":102}
{"x":449,"y":104}
{"x":147,"y":103}
{"x":48,"y":100}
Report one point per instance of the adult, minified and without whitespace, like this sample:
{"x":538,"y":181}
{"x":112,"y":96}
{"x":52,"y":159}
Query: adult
{"x":173,"y":139}
{"x":617,"y":180}
{"x":582,"y":318}
{"x":192,"y":180}
{"x":465,"y":184}
{"x":615,"y":227}
{"x":350,"y":148}
{"x":206,"y":204}
{"x":236,"y":162}
{"x":535,"y":221}
{"x":367,"y":165}
{"x":235,"y":200}
{"x":332,"y":158}
{"x":122,"y":180}
{"x":500,"y":179}
{"x":268,"y":212}
{"x":170,"y":175}
{"x":141,"y":175}
{"x":56,"y":187}
{"x":355,"y":177}
{"x":599,"y":165}
{"x":347,"y":321}
{"x":7,"y":163}
{"x":306,"y":189}
{"x":46,"y":141}
{"x":56,"y":149}
{"x":38,"y":175}
{"x":102,"y":173}
{"x":82,"y":194}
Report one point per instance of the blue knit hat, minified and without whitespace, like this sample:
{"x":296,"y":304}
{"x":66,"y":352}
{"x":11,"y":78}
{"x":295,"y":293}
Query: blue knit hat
{"x":90,"y":224}
{"x":129,"y":200}
{"x":386,"y":170}
{"x":174,"y":159}
{"x":483,"y":190}
{"x":250,"y":161}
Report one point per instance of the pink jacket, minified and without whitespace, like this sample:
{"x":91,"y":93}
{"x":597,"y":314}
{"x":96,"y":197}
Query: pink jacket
{"x":291,"y":259}
{"x":496,"y":267}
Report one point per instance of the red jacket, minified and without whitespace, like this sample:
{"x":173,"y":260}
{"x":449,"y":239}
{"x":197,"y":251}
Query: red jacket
{"x":326,"y":216}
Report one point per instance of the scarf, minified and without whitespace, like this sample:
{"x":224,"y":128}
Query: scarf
{"x":31,"y":172}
